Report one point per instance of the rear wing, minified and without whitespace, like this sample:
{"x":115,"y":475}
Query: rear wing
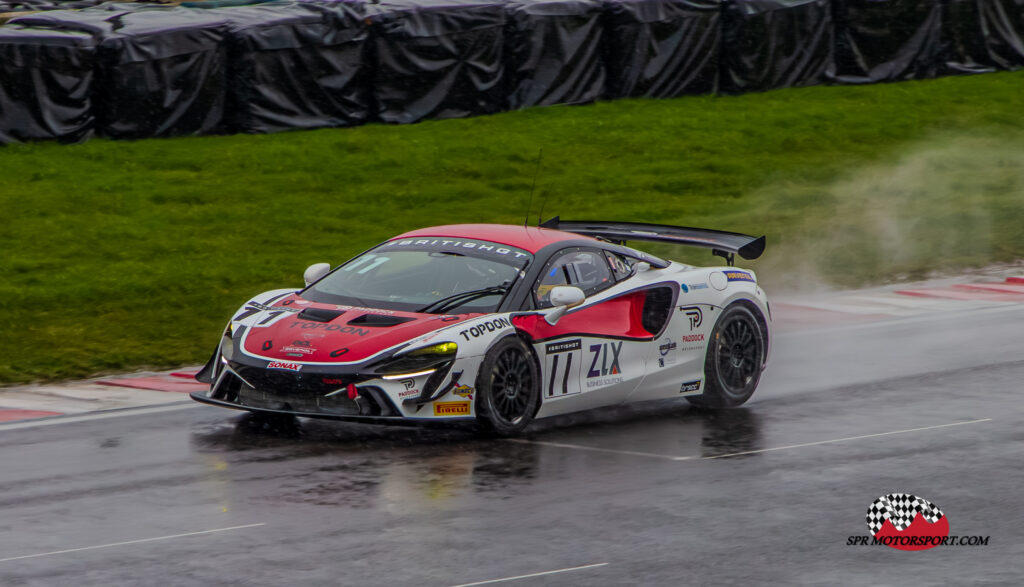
{"x":723,"y":244}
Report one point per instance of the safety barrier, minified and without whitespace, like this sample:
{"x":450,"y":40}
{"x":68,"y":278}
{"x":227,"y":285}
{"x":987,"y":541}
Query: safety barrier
{"x":132,"y":71}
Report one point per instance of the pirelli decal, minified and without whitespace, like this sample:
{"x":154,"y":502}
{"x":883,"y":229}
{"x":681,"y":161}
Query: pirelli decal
{"x":451,"y":409}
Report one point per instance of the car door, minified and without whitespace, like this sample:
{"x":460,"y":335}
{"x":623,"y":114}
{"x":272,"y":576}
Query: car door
{"x":595,"y":355}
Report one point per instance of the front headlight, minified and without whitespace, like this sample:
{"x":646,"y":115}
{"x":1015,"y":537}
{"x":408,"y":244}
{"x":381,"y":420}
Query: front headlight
{"x":418,"y":360}
{"x":227,"y":344}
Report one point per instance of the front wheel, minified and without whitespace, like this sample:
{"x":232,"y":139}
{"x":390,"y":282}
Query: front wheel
{"x":508,"y":388}
{"x":732,"y":367}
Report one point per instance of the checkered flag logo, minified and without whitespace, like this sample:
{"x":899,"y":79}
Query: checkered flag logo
{"x":900,"y":509}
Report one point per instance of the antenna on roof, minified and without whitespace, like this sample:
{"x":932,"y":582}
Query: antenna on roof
{"x":540,"y":154}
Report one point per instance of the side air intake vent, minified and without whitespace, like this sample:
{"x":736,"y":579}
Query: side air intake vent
{"x":657,"y":309}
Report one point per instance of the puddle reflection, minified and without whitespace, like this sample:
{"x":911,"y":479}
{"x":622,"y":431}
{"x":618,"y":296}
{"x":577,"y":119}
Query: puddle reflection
{"x":396,"y":468}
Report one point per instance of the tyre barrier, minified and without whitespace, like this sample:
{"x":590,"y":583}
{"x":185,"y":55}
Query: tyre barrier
{"x":130,"y":71}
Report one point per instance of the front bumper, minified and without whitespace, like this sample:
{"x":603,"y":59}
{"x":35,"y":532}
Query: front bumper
{"x":202,"y":398}
{"x":335,"y":395}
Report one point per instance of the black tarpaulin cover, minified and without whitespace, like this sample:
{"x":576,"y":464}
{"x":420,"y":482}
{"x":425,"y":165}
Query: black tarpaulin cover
{"x":964,"y":48}
{"x":437,"y":58}
{"x":1002,"y":28}
{"x":99,"y":21}
{"x":553,"y":52}
{"x":769,"y":44}
{"x":26,"y":5}
{"x":163,"y":74}
{"x":46,"y":82}
{"x":295,"y":65}
{"x":661,"y":48}
{"x":161,"y":70}
{"x":887,"y":40}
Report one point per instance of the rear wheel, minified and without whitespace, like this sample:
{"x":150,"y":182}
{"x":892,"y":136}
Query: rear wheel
{"x":732,"y":367}
{"x":508,"y":388}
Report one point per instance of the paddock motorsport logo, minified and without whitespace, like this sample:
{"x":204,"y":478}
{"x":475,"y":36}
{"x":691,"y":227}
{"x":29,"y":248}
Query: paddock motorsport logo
{"x":907,"y":522}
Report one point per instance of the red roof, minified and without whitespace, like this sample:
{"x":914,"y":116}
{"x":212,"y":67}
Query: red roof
{"x":529,"y":238}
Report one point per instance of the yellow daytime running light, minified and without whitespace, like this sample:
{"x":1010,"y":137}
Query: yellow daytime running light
{"x":445,"y":348}
{"x":408,"y":375}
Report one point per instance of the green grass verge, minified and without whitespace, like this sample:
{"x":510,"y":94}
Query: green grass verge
{"x":128,"y":254}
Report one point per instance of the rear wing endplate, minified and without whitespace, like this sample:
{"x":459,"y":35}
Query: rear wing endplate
{"x":723,"y":244}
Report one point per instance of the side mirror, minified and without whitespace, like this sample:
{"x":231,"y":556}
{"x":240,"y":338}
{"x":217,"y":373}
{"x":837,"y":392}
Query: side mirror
{"x":563,"y":297}
{"x":315,"y":272}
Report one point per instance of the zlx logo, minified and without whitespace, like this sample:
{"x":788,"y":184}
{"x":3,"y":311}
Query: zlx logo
{"x":608,"y":355}
{"x":694,"y":314}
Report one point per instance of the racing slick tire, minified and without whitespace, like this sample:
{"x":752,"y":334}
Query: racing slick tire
{"x":735,"y":356}
{"x":508,"y":388}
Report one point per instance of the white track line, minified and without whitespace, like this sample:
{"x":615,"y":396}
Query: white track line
{"x":750,"y":452}
{"x":599,"y":449}
{"x":14,"y":558}
{"x":488,"y":582}
{"x":89,"y":416}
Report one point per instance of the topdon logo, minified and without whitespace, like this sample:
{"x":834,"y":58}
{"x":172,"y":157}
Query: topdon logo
{"x":284,"y":366}
{"x":485,"y":327}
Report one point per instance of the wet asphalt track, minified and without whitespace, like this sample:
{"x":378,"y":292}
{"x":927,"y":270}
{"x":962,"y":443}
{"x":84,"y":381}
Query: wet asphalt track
{"x":650,"y":493}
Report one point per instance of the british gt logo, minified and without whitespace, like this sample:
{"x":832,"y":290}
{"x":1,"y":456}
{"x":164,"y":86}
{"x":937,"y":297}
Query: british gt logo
{"x":284,"y":366}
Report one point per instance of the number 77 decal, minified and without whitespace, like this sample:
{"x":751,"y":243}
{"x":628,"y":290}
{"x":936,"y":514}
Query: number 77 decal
{"x":562,"y":364}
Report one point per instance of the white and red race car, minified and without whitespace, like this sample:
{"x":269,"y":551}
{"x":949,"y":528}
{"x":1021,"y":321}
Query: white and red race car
{"x":501,"y":324}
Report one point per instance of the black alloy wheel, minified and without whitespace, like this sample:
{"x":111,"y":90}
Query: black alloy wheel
{"x":735,"y":356}
{"x":508,"y":389}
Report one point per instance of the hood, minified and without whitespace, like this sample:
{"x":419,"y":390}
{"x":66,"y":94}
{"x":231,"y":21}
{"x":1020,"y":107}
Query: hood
{"x":327,"y":333}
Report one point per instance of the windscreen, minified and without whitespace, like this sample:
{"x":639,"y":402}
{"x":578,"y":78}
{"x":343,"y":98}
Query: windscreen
{"x":437,"y":275}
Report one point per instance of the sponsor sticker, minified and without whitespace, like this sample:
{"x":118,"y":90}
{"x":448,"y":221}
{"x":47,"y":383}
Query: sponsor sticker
{"x":695,"y":315}
{"x":564,"y":346}
{"x":408,"y":393}
{"x":738,"y":276}
{"x":451,"y":409}
{"x":331,"y":327}
{"x":463,"y":391}
{"x":691,"y":342}
{"x":690,"y":386}
{"x":457,"y":244}
{"x":667,"y":348}
{"x":284,"y":366}
{"x":698,"y":286}
{"x":604,"y":359}
{"x":485,"y":327}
